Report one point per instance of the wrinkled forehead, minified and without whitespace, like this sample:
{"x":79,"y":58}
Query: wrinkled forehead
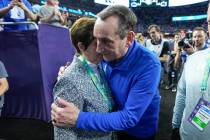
{"x":106,"y":27}
{"x":198,"y":33}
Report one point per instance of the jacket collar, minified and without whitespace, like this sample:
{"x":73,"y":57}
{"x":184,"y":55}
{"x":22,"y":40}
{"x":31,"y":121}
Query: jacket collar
{"x":125,"y":62}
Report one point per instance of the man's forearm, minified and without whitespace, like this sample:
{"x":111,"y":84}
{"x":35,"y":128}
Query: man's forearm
{"x":61,"y":19}
{"x":3,"y":86}
{"x":136,"y":104}
{"x":30,"y":14}
{"x":163,"y":59}
{"x":4,"y":11}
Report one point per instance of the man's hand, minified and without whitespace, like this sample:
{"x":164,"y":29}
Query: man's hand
{"x":12,"y":4}
{"x":57,"y":12}
{"x":62,"y":70}
{"x":189,"y":50}
{"x":64,"y":114}
{"x":22,"y":5}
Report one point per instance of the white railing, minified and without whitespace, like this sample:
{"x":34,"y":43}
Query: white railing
{"x":24,"y":22}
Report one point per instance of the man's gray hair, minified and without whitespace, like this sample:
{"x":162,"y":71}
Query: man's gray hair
{"x":127,"y":18}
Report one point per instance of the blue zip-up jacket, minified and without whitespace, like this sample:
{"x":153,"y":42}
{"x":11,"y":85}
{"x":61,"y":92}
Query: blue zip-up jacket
{"x":134,"y":84}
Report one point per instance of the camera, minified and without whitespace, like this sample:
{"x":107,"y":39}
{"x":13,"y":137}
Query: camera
{"x":187,"y":41}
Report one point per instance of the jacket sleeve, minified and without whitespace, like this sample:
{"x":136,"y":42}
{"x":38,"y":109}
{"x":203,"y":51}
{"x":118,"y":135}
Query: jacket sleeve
{"x":179,"y":102}
{"x":66,"y":89}
{"x":139,"y":98}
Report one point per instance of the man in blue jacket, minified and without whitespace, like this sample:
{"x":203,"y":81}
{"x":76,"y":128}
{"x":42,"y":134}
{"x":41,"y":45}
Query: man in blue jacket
{"x":133,"y":73}
{"x":16,"y":11}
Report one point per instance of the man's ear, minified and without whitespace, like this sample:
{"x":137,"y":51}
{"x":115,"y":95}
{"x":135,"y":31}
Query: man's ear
{"x":81,"y":46}
{"x":130,"y":38}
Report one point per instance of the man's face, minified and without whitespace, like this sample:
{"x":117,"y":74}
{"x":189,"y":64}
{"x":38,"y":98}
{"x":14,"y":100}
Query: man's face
{"x":109,"y":43}
{"x":154,"y":34}
{"x":177,"y":38}
{"x":199,"y":38}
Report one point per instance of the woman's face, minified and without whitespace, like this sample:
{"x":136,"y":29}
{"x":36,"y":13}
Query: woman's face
{"x":91,"y":54}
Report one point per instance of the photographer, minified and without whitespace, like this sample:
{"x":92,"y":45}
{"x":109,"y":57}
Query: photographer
{"x":188,"y":45}
{"x":172,"y":68}
{"x":16,"y":11}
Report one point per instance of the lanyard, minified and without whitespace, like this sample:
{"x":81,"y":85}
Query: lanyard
{"x":204,"y":82}
{"x":104,"y":90}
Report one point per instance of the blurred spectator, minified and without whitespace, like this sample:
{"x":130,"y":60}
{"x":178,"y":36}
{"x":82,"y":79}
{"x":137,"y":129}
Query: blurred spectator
{"x":197,"y":43}
{"x":49,"y":13}
{"x":191,"y":111}
{"x":65,"y":16}
{"x":16,"y":11}
{"x":3,"y":81}
{"x":140,"y":38}
{"x":1,"y":26}
{"x":159,"y":46}
{"x":36,"y":8}
{"x":199,"y":38}
{"x":173,"y":64}
{"x":4,"y":86}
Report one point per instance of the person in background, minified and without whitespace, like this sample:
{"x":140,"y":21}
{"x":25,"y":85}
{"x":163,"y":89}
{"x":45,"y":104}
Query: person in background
{"x":65,"y":16}
{"x":158,"y":46}
{"x":49,"y":13}
{"x":194,"y":44}
{"x":199,"y":37}
{"x":173,"y":64}
{"x":139,"y":37}
{"x":1,"y":26}
{"x":83,"y":82}
{"x":191,"y":111}
{"x":4,"y":86}
{"x":133,"y":74}
{"x":16,"y":11}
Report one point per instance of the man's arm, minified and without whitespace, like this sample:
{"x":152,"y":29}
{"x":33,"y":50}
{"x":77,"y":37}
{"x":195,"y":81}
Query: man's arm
{"x":27,"y":10}
{"x":164,"y":58}
{"x":4,"y":86}
{"x":165,"y":53}
{"x":5,"y":10}
{"x":139,"y":98}
{"x":58,"y":13}
{"x":180,"y":102}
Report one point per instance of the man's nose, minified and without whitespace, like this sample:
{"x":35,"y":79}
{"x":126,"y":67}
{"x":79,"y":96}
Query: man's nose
{"x":99,"y":48}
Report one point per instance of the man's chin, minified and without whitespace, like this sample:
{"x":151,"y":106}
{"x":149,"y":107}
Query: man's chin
{"x":107,"y":58}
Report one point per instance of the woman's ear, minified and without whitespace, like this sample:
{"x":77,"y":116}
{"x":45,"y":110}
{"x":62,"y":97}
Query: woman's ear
{"x":130,"y":38}
{"x":81,"y":46}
